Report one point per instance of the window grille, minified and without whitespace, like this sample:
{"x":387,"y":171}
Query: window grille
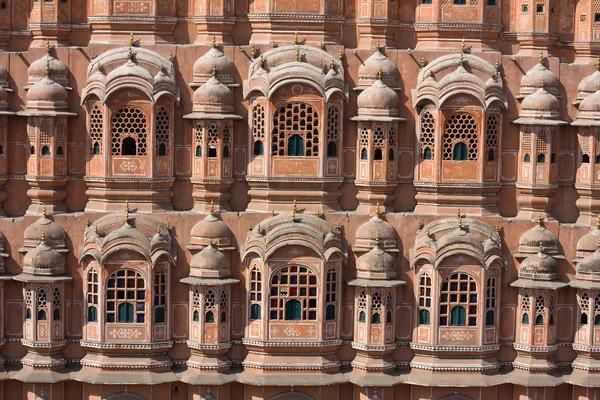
{"x":293,"y":294}
{"x":255,"y":294}
{"x":96,"y":130}
{"x":163,"y":126}
{"x":126,"y":297}
{"x":295,"y":130}
{"x":458,"y":301}
{"x":491,"y":137}
{"x":427,"y":138}
{"x":129,"y":122}
{"x":461,"y":128}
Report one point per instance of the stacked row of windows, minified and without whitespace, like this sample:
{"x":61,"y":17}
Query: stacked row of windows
{"x":588,"y":313}
{"x":210,"y":305}
{"x":214,"y":140}
{"x":44,"y":136}
{"x":540,"y":149}
{"x":536,"y":311}
{"x":379,"y":138}
{"x":42,"y":303}
{"x":376,"y":310}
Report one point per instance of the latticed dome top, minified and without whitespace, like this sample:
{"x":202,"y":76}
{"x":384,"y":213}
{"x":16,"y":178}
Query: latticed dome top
{"x":378,"y":99}
{"x":376,"y":264}
{"x":214,"y":59}
{"x":536,"y":77}
{"x":376,"y":228}
{"x":539,"y":266}
{"x":57,"y":70}
{"x":210,"y":263}
{"x":54,"y":234}
{"x":537,"y":236}
{"x":213,"y":96}
{"x":368,"y":71}
{"x":43,"y":260}
{"x":211,"y":230}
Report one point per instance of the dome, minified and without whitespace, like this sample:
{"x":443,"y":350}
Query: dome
{"x":461,"y":75}
{"x":590,"y":265}
{"x":127,"y":233}
{"x":376,"y":264}
{"x":588,"y":85}
{"x":53,"y":232}
{"x":43,"y":260}
{"x":213,"y":96}
{"x":367,"y":72}
{"x":57,"y":70}
{"x":131,"y":70}
{"x":3,"y":99}
{"x":588,"y":244}
{"x":537,"y":236}
{"x":591,"y":104}
{"x":378,"y":99}
{"x":211,"y":229}
{"x":539,"y":266}
{"x":214,"y":59}
{"x":163,"y":79}
{"x":540,"y":105}
{"x":46,"y":94}
{"x":210,"y":263}
{"x":378,"y":228}
{"x":3,"y":76}
{"x":460,"y":236}
{"x":536,"y":77}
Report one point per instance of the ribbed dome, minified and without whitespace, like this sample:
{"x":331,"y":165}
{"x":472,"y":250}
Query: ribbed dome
{"x":538,"y":236}
{"x":536,"y":77}
{"x":211,"y":230}
{"x":590,"y":265}
{"x":378,"y":99}
{"x":588,"y":85}
{"x":541,"y":100}
{"x":57,"y":70}
{"x":213,"y":96}
{"x":368,"y":71}
{"x":43,"y":260}
{"x":588,"y":244}
{"x":131,"y":70}
{"x":376,"y":264}
{"x":214,"y":59}
{"x":378,"y":228}
{"x":539,"y":266}
{"x":53,"y":232}
{"x":591,"y":103}
{"x":210,"y":263}
{"x":46,"y":94}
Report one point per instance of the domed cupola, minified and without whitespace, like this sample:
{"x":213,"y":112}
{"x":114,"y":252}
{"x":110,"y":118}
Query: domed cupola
{"x":48,"y":67}
{"x":213,"y":60}
{"x":378,"y":62}
{"x":129,"y":70}
{"x":588,"y":112}
{"x":539,"y":106}
{"x":539,"y":235}
{"x":588,"y":85}
{"x":210,"y":263}
{"x":213,"y":97}
{"x":589,"y":268}
{"x":376,"y":264}
{"x":210,"y":230}
{"x":539,"y":266}
{"x":43,"y":260}
{"x":460,"y":77}
{"x":54,"y":234}
{"x":536,"y":77}
{"x":588,"y":244}
{"x":376,"y":227}
{"x":378,"y":100}
{"x":46,"y":95}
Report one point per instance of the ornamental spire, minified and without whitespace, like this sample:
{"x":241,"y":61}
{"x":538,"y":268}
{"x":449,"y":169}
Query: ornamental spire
{"x":541,"y":57}
{"x":214,"y":42}
{"x":541,"y":247}
{"x":294,"y":209}
{"x":45,"y":215}
{"x":539,"y":220}
{"x":296,"y":37}
{"x":379,"y":74}
{"x":126,"y":211}
{"x":377,"y":240}
{"x":47,"y":73}
{"x":48,"y":47}
{"x":598,"y":222}
{"x":43,"y":238}
{"x":459,"y":218}
{"x":214,"y":72}
{"x":377,"y":210}
{"x":212,"y":208}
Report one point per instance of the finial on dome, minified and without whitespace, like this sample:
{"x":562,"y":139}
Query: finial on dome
{"x":126,"y":211}
{"x":332,"y":64}
{"x":377,"y":209}
{"x":258,"y":228}
{"x":541,"y":247}
{"x":377,"y":240}
{"x":539,"y":220}
{"x":379,"y":74}
{"x":47,"y":73}
{"x":252,"y":50}
{"x":462,"y":46}
{"x":273,"y":44}
{"x":322,"y":45}
{"x":598,"y":64}
{"x":461,"y":60}
{"x":45,"y":215}
{"x":423,"y":63}
{"x":598,"y":222}
{"x":459,"y":218}
{"x":249,"y":226}
{"x":261,"y":62}
{"x":543,"y":83}
{"x":340,"y":55}
{"x":541,"y":57}
{"x":159,"y":228}
{"x":43,"y":238}
{"x":296,"y":37}
{"x":272,"y":211}
{"x":420,"y":224}
{"x":48,"y":47}
{"x":497,"y":227}
{"x":212,"y":207}
{"x":130,"y":39}
{"x":214,"y":42}
{"x":298,"y":54}
{"x":171,"y":57}
{"x":294,"y":209}
{"x":214,"y":71}
{"x":87,"y":222}
{"x":598,"y":248}
{"x":129,"y":53}
{"x":378,"y":46}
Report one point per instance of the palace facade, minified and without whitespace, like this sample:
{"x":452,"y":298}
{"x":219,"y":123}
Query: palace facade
{"x":299,"y":199}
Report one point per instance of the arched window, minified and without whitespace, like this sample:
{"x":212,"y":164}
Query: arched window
{"x":362,"y":306}
{"x":223,"y":316}
{"x":295,"y":130}
{"x":391,"y":155}
{"x":126,"y":297}
{"x":525,"y":319}
{"x":56,"y":303}
{"x":196,"y":316}
{"x":331,"y":149}
{"x":584,"y":307}
{"x":45,"y":151}
{"x":458,"y":316}
{"x":541,"y":158}
{"x":160,"y":296}
{"x":198,"y":151}
{"x":491,"y":155}
{"x":28,"y":313}
{"x":376,"y":307}
{"x":56,"y":315}
{"x":32,"y":150}
{"x":295,"y":146}
{"x":539,"y":319}
{"x":597,"y":320}
{"x":41,"y":315}
{"x":128,"y":131}
{"x":42,"y":304}
{"x":259,"y":148}
{"x":458,"y":301}
{"x":491,"y":135}
{"x":92,"y":295}
{"x":424,"y":298}
{"x":490,"y":317}
{"x":330,"y":294}
{"x":223,"y":305}
{"x":427,"y":138}
{"x":225,"y":151}
{"x":362,"y":317}
{"x":255,"y":312}
{"x":376,"y":318}
{"x":96,"y":149}
{"x":255,"y":292}
{"x":378,"y":154}
{"x":424,"y":317}
{"x":364,"y":155}
{"x":378,"y":142}
{"x":388,"y":317}
{"x":293,"y":294}
{"x":330,"y":312}
{"x":585,"y":159}
{"x":583,"y":319}
{"x":526,"y":158}
{"x":460,"y":152}
{"x":210,"y":306}
{"x":490,"y":301}
{"x":598,"y":159}
{"x":293,"y":310}
{"x":163,"y":129}
{"x":209,"y":317}
{"x":59,"y":151}
{"x":461,"y":138}
{"x":129,"y":147}
{"x":213,"y":140}
{"x":540,"y":308}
